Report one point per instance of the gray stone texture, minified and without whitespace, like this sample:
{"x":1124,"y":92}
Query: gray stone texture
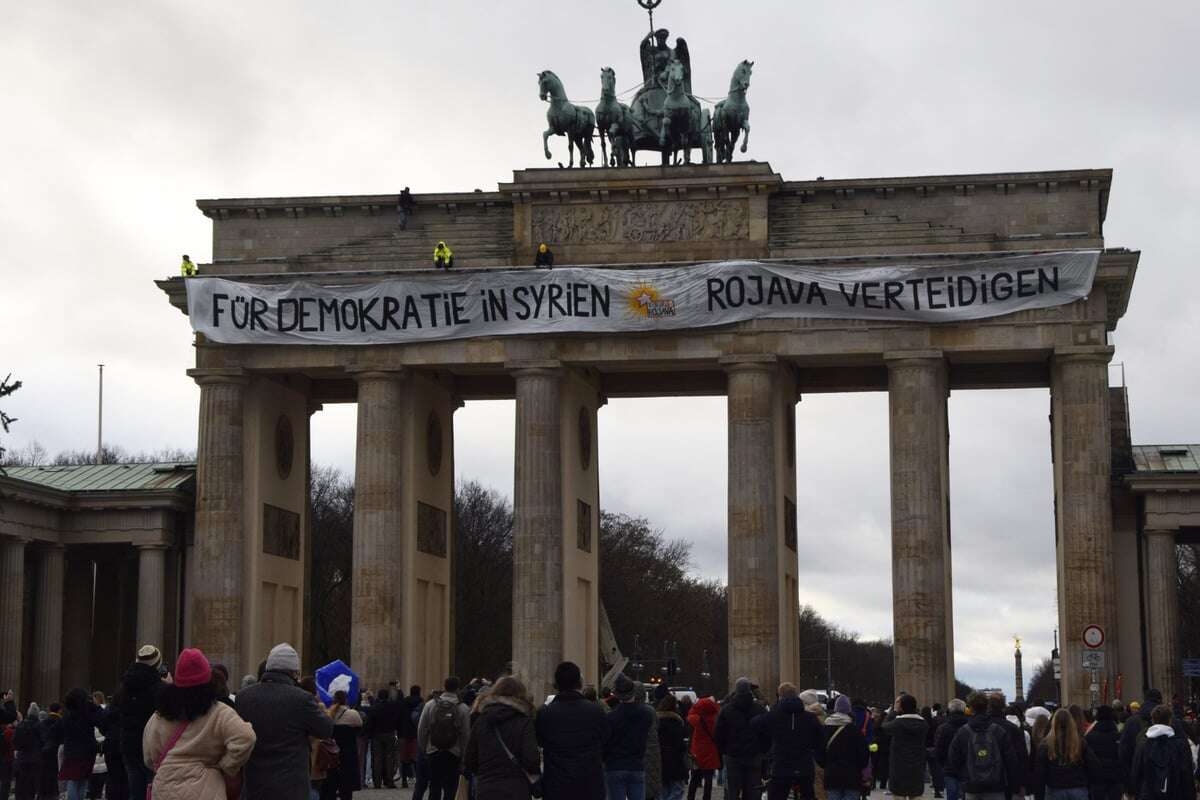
{"x":1162,"y":613}
{"x":151,"y":602}
{"x":48,"y":624}
{"x":12,"y":616}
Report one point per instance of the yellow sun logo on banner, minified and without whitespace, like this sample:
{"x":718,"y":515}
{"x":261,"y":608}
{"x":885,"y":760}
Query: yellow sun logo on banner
{"x":642,"y":298}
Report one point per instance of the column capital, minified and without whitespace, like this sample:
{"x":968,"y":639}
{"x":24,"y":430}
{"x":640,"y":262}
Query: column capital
{"x":914,"y":358}
{"x":1084,"y":354}
{"x":1172,"y":532}
{"x":749,"y":362}
{"x":360,"y":374}
{"x":153,"y":546}
{"x":204,"y":376}
{"x":548,"y":367}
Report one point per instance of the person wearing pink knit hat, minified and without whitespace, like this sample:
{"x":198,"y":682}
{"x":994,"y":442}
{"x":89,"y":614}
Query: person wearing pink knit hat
{"x":192,"y":742}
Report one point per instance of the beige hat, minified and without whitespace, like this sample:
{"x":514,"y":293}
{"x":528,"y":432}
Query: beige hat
{"x":149,"y":654}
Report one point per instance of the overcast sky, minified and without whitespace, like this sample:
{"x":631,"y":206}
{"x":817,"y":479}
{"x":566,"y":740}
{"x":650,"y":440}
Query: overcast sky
{"x":119,"y":114}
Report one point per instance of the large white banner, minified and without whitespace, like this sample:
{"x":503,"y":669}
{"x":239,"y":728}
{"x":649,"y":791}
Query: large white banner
{"x":512,"y":302}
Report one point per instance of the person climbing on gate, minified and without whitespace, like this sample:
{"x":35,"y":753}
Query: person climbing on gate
{"x":443,"y":256}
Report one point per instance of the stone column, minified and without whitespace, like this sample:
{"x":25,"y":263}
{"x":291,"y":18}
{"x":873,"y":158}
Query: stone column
{"x":1082,"y":474}
{"x":151,"y":600}
{"x":923,"y":621}
{"x":377,"y":582}
{"x":12,"y":612}
{"x":219,"y":551}
{"x":48,"y":625}
{"x":537,"y":529}
{"x":754,"y":641}
{"x":1162,"y":612}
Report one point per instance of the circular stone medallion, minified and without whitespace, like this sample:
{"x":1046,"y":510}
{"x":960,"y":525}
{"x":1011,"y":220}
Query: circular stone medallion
{"x":285,"y":446}
{"x":433,"y":443}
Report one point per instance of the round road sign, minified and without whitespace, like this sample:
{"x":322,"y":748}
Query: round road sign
{"x":1093,"y":636}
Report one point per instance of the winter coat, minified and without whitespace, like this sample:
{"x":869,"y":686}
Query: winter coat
{"x":1104,"y":740}
{"x":793,"y":736}
{"x":408,"y":722}
{"x":735,"y":737}
{"x":625,"y":745}
{"x":941,"y":742}
{"x":571,"y":731}
{"x":110,"y":728}
{"x":653,"y":760}
{"x":387,"y":715}
{"x":1056,"y":774}
{"x":502,"y":722}
{"x":1130,"y":734}
{"x":462,"y":721}
{"x":27,"y":741}
{"x":906,"y":773}
{"x":962,"y":750}
{"x":844,"y":754}
{"x":672,"y":744}
{"x":139,"y":692}
{"x":215,"y":744}
{"x":76,"y":732}
{"x":284,"y":716}
{"x":703,"y":719}
{"x":1161,"y":744}
{"x":347,"y":724}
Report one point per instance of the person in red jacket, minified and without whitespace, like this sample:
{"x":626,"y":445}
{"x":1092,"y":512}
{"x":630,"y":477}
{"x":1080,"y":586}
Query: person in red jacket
{"x":703,"y":719}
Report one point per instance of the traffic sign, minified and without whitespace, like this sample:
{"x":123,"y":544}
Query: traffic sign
{"x":1191,"y":668}
{"x":1093,"y":636}
{"x":1093,"y":659}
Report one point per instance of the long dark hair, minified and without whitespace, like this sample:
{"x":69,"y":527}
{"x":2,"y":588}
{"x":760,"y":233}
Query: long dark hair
{"x":76,"y":701}
{"x":178,"y":704}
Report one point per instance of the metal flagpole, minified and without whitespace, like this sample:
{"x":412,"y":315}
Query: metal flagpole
{"x":100,"y":417}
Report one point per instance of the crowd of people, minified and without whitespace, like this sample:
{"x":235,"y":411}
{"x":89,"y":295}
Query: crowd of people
{"x":184,"y":734}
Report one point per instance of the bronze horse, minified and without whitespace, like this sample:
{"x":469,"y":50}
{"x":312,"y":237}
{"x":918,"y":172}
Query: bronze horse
{"x":577,"y":123}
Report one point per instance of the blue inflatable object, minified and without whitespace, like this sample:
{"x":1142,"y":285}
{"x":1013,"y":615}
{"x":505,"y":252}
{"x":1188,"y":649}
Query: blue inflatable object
{"x":331,"y":672}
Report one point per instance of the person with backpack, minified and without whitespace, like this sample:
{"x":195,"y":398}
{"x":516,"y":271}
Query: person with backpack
{"x":442,"y":735}
{"x":843,"y":753}
{"x":1064,"y":765}
{"x":342,"y":779}
{"x":1162,"y":764}
{"x":983,"y":757}
{"x":906,"y":765}
{"x":955,"y":720}
{"x":703,"y":719}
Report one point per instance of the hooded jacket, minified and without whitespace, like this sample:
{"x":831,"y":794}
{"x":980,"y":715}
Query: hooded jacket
{"x":284,"y":716}
{"x":571,"y":731}
{"x":906,"y":762}
{"x":672,"y":745}
{"x":1104,"y":740}
{"x":793,"y":736}
{"x":216,"y":743}
{"x":941,"y":742}
{"x":139,"y":692}
{"x":625,"y":745}
{"x":843,"y":753}
{"x":961,"y":751}
{"x":1162,"y":747}
{"x":703,"y":719}
{"x":735,"y":736}
{"x":508,"y":720}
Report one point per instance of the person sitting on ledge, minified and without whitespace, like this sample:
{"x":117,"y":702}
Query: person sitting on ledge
{"x":443,"y":256}
{"x":544,"y":257}
{"x":187,"y":269}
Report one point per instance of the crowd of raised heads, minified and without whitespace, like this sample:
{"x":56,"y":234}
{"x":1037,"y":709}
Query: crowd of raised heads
{"x":187,"y":734}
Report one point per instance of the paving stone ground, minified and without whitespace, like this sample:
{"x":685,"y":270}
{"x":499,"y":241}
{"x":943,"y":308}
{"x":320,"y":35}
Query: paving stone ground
{"x":405,"y":794}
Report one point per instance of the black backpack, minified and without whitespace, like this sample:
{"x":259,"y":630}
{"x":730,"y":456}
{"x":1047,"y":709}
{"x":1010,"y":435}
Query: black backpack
{"x":443,"y":729}
{"x":985,"y":761}
{"x":1160,"y":764}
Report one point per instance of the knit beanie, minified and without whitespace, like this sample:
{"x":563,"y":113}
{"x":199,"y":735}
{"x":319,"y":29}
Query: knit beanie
{"x":283,"y":658}
{"x":148,"y":654}
{"x":623,"y":688}
{"x":743,"y":686}
{"x":192,"y":669}
{"x":842,"y":705}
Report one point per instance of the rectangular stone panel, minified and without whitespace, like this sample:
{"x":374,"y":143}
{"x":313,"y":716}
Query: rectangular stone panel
{"x":583,"y":526}
{"x":431,"y":530}
{"x":281,"y":532}
{"x":789,"y":523}
{"x":642,"y":223}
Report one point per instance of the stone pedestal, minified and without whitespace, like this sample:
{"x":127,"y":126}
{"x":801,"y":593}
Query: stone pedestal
{"x":1162,"y":612}
{"x":48,"y":625}
{"x":923,"y":621}
{"x":1082,"y":474}
{"x":763,"y":603}
{"x":152,"y":581}
{"x":12,"y":614}
{"x":377,"y":584}
{"x":218,"y":584}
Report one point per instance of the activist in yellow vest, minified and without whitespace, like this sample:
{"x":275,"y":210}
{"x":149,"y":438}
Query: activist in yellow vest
{"x":443,"y":256}
{"x":187,"y":269}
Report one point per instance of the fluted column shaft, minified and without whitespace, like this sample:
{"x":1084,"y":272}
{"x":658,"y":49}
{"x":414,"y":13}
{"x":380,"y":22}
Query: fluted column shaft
{"x":377,"y":585}
{"x":151,"y":599}
{"x":1082,"y":477}
{"x":1162,"y":612}
{"x":921,"y":592}
{"x":12,"y":614}
{"x":538,"y":530}
{"x":753,"y":525}
{"x":218,"y":584}
{"x":48,"y":625}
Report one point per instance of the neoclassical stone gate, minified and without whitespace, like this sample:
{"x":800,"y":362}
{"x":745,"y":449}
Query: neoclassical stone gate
{"x":251,"y":544}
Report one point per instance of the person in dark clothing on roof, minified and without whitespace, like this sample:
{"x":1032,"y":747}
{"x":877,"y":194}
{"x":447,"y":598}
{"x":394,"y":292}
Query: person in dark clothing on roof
{"x":738,"y":741}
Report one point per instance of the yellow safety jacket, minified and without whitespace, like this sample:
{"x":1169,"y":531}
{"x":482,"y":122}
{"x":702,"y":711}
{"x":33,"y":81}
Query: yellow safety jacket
{"x":442,"y":252}
{"x":187,"y":269}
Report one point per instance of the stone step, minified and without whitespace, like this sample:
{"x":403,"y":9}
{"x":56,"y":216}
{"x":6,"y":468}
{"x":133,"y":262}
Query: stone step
{"x":821,"y":213}
{"x":866,"y":225}
{"x":473,"y":262}
{"x":912,"y":237}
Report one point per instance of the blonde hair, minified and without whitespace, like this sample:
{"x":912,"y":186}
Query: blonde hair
{"x":1063,"y":743}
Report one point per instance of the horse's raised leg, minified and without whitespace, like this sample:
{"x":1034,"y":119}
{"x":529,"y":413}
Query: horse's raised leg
{"x":746,"y":140}
{"x":546,"y":134}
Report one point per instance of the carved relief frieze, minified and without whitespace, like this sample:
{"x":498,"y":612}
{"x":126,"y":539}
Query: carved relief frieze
{"x":675,"y":221}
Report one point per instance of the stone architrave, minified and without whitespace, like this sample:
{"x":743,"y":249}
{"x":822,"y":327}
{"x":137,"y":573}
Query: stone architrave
{"x":151,"y":600}
{"x":1082,"y":485}
{"x":12,"y":616}
{"x":376,"y":641}
{"x":1162,"y":612}
{"x":537,"y":528}
{"x":218,"y":582}
{"x":923,"y":621}
{"x":48,"y":624}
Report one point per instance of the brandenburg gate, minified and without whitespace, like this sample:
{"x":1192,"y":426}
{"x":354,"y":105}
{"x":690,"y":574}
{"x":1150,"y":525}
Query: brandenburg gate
{"x":714,"y":279}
